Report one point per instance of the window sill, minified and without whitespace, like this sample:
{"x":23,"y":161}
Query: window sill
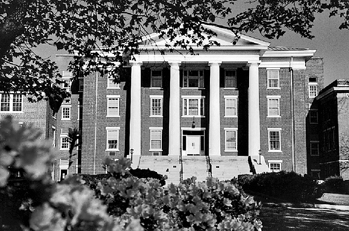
{"x":11,"y":112}
{"x":273,"y":116}
{"x":156,"y":88}
{"x":112,"y":150}
{"x":113,"y":88}
{"x":156,"y":116}
{"x":193,"y":88}
{"x":65,"y":119}
{"x":191,"y":116}
{"x":155,"y":150}
{"x":64,"y":149}
{"x":279,"y":151}
{"x":231,"y":116}
{"x":112,"y":116}
{"x":231,"y":88}
{"x":231,"y":150}
{"x":273,"y":88}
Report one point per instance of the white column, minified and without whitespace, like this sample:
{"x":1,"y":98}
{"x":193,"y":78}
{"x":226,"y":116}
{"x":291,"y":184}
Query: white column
{"x":135,"y":109}
{"x":214,"y":117}
{"x":253,"y":111}
{"x":175,"y":111}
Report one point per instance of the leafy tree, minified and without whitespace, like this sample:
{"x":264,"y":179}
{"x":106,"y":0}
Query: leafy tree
{"x":115,"y":27}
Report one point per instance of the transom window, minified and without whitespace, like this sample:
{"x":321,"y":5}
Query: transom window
{"x":230,"y":139}
{"x":66,"y":112}
{"x":193,"y":78}
{"x":230,"y":79}
{"x":155,"y":105}
{"x":273,"y":78}
{"x":193,"y":106}
{"x":314,"y":148}
{"x":274,"y":137}
{"x":113,"y":138}
{"x":156,"y":78}
{"x":231,"y":106}
{"x":113,"y":105}
{"x":155,"y":139}
{"x":275,"y":166}
{"x":273,"y":106}
{"x":11,"y":102}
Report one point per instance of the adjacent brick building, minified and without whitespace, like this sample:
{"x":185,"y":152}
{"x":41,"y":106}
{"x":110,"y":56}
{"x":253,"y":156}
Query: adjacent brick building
{"x":227,"y":103}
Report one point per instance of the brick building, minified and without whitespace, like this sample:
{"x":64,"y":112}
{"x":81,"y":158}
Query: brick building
{"x":181,"y":114}
{"x":332,"y":147}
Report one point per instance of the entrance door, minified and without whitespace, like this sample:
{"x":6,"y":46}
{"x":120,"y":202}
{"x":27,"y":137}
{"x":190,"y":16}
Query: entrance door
{"x":193,"y":145}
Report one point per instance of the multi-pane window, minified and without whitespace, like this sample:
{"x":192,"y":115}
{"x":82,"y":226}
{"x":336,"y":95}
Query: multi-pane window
{"x":314,"y":148}
{"x":111,"y":84}
{"x":275,"y":166}
{"x":230,"y":79}
{"x":313,"y":116}
{"x":230,"y":139}
{"x":11,"y":102}
{"x":273,"y":106}
{"x":274,"y":137}
{"x":113,"y":105}
{"x":231,"y":106}
{"x":64,"y":142}
{"x":155,"y":139}
{"x":313,"y":90}
{"x":156,"y":79}
{"x":273,"y":78}
{"x":66,"y":112}
{"x":193,"y":78}
{"x":112,"y":138}
{"x":155,"y":106}
{"x":193,"y":106}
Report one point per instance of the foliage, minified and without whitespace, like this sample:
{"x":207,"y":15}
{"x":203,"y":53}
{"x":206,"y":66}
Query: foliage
{"x":334,"y":184}
{"x":116,"y":27}
{"x":191,"y":205}
{"x":147,"y":173}
{"x":33,"y":200}
{"x":288,"y":186}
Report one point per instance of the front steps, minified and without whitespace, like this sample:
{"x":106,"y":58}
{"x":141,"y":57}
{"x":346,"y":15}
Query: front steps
{"x":222,"y":167}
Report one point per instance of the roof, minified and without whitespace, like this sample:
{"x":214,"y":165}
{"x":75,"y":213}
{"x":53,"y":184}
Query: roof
{"x":282,"y":48}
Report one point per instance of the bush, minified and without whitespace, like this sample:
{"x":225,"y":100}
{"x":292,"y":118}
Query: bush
{"x":334,"y":184}
{"x":286,"y":186}
{"x":147,"y":173}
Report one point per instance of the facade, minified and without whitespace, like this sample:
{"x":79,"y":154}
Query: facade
{"x":333,"y":130}
{"x":230,"y":102}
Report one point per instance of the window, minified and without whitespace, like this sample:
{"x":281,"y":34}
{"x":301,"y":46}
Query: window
{"x":155,"y":105}
{"x":113,"y":138}
{"x":11,"y":102}
{"x":193,"y":79}
{"x":275,"y":165}
{"x":113,"y":105}
{"x":230,"y":80}
{"x":313,"y":116}
{"x":314,"y":148}
{"x":273,"y":78}
{"x":66,"y":112}
{"x":230,"y":139}
{"x":81,"y":84}
{"x":231,"y":106}
{"x":155,"y":139}
{"x":111,"y":84}
{"x":64,"y":142}
{"x":193,"y":106}
{"x":315,"y":173}
{"x":156,"y":79}
{"x":274,"y":137}
{"x":53,"y":136}
{"x":313,"y":90}
{"x":273,"y":106}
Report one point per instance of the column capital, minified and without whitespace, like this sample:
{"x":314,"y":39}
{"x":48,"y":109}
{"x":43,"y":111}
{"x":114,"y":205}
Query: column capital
{"x":214,"y":62}
{"x":174,"y":62}
{"x":135,"y":63}
{"x":250,"y":63}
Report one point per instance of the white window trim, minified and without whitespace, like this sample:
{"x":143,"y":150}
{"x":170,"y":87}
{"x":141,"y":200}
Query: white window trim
{"x":278,"y":97}
{"x":275,"y":162}
{"x":318,"y":147}
{"x":113,"y":96}
{"x":63,"y":135}
{"x":151,"y":78}
{"x":225,"y":139}
{"x":317,"y":116}
{"x":193,"y":97}
{"x":66,"y":106}
{"x":317,"y":90}
{"x":274,"y":130}
{"x":225,"y":71}
{"x":11,"y":103}
{"x":194,"y":69}
{"x":225,"y":106}
{"x":109,"y":78}
{"x":155,"y":128}
{"x":151,"y":105}
{"x":269,"y":69}
{"x":118,"y":139}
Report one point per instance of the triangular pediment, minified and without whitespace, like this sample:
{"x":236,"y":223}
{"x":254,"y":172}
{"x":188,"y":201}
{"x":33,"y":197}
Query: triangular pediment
{"x":225,"y":38}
